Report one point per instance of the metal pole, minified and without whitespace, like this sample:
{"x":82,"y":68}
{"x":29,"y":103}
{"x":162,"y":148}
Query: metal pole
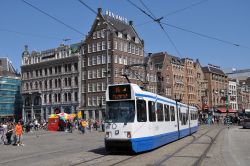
{"x":177,"y":112}
{"x":227,"y":104}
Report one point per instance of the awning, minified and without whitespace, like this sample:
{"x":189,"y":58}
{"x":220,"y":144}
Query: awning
{"x":224,"y":110}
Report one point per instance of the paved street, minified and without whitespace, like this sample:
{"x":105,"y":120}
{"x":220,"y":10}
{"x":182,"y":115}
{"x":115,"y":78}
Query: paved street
{"x":230,"y":147}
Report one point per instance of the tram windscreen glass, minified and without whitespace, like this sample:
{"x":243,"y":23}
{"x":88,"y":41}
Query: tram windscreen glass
{"x":119,"y":92}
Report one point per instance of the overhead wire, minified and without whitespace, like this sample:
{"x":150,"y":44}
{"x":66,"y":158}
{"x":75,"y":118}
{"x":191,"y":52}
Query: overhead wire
{"x":206,"y":36}
{"x":147,"y":8}
{"x":174,"y":12}
{"x":158,"y":21}
{"x":185,"y":8}
{"x":190,"y":31}
{"x":54,"y":18}
{"x":87,"y":6}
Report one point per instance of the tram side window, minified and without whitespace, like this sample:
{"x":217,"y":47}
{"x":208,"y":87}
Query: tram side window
{"x":185,"y":117}
{"x":167,"y":113}
{"x":141,"y":111}
{"x":151,"y":111}
{"x":172,"y":113}
{"x":159,"y":112}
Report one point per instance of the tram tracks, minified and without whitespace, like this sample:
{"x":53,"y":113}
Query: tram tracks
{"x":127,"y":160}
{"x":204,"y":154}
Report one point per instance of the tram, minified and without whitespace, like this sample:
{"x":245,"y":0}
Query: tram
{"x":138,"y":121}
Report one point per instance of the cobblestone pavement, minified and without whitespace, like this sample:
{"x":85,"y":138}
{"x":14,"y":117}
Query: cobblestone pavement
{"x":231,"y":148}
{"x":61,"y":148}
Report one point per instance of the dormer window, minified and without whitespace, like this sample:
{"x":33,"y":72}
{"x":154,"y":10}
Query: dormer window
{"x":102,"y":33}
{"x":94,"y":35}
{"x":98,"y":34}
{"x":136,"y":40}
{"x":128,"y":37}
{"x":119,"y":34}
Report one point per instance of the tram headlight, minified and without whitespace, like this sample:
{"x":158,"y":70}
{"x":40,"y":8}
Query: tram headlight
{"x":108,"y":134}
{"x":128,"y":134}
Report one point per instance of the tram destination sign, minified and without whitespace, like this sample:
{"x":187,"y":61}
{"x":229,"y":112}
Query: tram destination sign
{"x":119,"y":92}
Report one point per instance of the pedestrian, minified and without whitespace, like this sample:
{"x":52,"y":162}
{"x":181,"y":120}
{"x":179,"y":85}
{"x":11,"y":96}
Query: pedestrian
{"x":19,"y":133}
{"x":2,"y":133}
{"x":9,"y":133}
{"x":35,"y":124}
{"x":84,"y":124}
{"x":103,"y":125}
{"x":90,"y":125}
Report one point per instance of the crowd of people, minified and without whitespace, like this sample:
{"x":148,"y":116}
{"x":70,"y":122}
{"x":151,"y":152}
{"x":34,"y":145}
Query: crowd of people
{"x":11,"y":133}
{"x":82,"y":125}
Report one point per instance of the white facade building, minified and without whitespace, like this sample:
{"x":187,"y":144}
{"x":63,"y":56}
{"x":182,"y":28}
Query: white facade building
{"x":232,"y":88}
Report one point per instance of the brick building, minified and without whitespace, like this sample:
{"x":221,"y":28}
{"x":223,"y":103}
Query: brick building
{"x":115,"y":38}
{"x":217,"y":86}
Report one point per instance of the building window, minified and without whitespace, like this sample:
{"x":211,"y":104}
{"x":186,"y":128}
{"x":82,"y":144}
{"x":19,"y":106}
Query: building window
{"x":89,"y":87}
{"x":109,"y":44}
{"x":83,"y":62}
{"x":103,"y":45}
{"x":76,"y":81}
{"x":99,"y":46}
{"x":120,"y":60}
{"x":94,"y":73}
{"x":98,"y":34}
{"x":89,"y":61}
{"x":98,"y":71}
{"x":76,"y":66}
{"x":69,"y":81}
{"x":103,"y":59}
{"x":93,"y":101}
{"x":102,"y":33}
{"x":69,"y":96}
{"x":103,"y":100}
{"x":50,"y":84}
{"x":93,"y":60}
{"x":116,"y":59}
{"x":89,"y":48}
{"x":89,"y":74}
{"x":103,"y":72}
{"x":76,"y":96}
{"x":99,"y":59}
{"x":94,"y":87}
{"x":59,"y":97}
{"x":94,"y":35}
{"x":103,"y":86}
{"x":99,"y":87}
{"x":89,"y":101}
{"x":65,"y":82}
{"x":94,"y":47}
{"x":84,"y":75}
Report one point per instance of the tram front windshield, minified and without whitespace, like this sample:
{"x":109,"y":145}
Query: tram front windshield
{"x":120,"y":111}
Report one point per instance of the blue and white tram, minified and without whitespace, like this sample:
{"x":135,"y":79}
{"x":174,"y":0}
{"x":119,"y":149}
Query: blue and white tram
{"x":138,"y":120}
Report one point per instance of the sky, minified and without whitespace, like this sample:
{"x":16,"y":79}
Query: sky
{"x":225,"y":23}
